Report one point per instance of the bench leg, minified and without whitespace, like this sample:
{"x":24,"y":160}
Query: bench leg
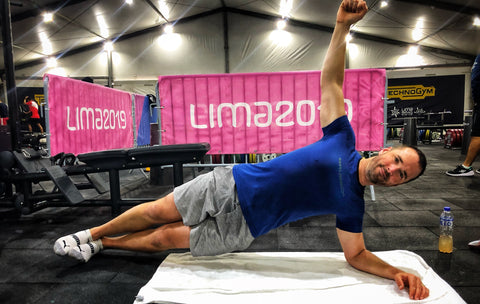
{"x":115,"y":198}
{"x":177,"y":174}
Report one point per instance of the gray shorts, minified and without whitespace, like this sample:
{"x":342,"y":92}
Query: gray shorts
{"x":209,"y":205}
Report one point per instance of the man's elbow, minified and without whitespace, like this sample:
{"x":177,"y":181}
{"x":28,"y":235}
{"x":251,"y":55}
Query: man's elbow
{"x":355,"y":259}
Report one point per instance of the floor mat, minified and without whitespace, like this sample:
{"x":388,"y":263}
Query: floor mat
{"x":286,"y":277}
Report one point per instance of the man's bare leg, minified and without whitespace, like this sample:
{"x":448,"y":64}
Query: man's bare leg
{"x":168,"y":236}
{"x":465,"y":169}
{"x":140,"y":217}
{"x":83,"y":244}
{"x":473,"y":150}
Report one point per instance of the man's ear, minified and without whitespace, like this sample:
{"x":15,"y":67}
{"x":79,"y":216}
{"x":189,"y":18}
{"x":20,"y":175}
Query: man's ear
{"x":385,"y":150}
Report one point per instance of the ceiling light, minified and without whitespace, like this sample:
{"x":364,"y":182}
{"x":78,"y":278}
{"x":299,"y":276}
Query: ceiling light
{"x":103,"y":26}
{"x":353,"y":50}
{"x":348,"y":38}
{"x":476,"y":21}
{"x":164,"y":9}
{"x":383,"y":4}
{"x":170,"y":42}
{"x":108,"y":46}
{"x":58,"y":71}
{"x":129,"y":2}
{"x":46,"y":44}
{"x":168,"y":29}
{"x":413,"y":50}
{"x":285,"y":8}
{"x":43,"y":36}
{"x":417,"y":32}
{"x":281,"y":24}
{"x":280,"y":37}
{"x":419,"y":23}
{"x":411,"y":59}
{"x":51,"y":62}
{"x":47,"y":17}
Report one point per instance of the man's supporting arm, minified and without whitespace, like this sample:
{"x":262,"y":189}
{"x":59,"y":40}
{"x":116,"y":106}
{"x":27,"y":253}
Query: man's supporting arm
{"x":359,"y":257}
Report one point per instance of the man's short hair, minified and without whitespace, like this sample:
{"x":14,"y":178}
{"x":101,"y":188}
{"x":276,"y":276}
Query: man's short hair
{"x":422,"y":159}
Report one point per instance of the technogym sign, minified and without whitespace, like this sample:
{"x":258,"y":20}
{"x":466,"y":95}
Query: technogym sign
{"x":410,"y":92}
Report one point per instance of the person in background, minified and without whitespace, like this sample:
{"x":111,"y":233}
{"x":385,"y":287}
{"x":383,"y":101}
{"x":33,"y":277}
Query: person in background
{"x":3,"y":110}
{"x":35,"y":118}
{"x":466,"y":169}
{"x":25,"y":113}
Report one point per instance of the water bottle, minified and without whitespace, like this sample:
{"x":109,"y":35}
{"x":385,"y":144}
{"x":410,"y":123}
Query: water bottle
{"x":445,"y":242}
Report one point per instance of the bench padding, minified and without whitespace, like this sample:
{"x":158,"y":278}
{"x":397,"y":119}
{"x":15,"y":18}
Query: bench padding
{"x":145,"y":156}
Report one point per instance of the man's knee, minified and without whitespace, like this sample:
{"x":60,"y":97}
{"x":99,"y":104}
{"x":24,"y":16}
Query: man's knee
{"x":170,"y":236}
{"x":153,"y":211}
{"x":162,"y":210}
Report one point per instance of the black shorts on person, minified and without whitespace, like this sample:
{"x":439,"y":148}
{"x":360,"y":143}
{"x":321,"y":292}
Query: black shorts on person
{"x":476,"y":119}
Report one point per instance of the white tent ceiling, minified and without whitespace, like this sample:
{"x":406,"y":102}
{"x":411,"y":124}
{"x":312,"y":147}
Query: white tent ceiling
{"x":447,"y":25}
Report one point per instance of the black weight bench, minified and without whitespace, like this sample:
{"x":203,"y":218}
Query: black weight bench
{"x":115,"y":160}
{"x":31,"y":167}
{"x":111,"y":161}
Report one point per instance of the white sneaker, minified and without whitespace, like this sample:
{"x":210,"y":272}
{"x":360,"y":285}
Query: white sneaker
{"x":84,"y":252}
{"x":474,"y":245}
{"x":460,"y":171}
{"x":66,"y":243}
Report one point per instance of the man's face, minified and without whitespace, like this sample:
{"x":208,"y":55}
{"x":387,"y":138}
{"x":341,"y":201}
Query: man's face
{"x":393,"y":167}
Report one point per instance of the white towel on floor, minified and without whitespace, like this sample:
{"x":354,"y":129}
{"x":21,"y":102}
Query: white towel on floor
{"x":286,"y":277}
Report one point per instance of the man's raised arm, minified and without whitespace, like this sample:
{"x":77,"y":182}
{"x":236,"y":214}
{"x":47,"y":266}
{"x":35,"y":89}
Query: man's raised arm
{"x":349,"y":12}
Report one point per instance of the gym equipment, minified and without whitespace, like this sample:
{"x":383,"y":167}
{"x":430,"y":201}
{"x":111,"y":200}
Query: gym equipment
{"x":453,"y":138}
{"x":5,"y":138}
{"x":268,"y":156}
{"x":60,"y":168}
{"x":410,"y":131}
{"x":7,"y":160}
{"x":425,"y":136}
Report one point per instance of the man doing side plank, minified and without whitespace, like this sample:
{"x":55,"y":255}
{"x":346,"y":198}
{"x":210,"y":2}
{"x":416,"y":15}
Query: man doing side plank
{"x":224,"y":210}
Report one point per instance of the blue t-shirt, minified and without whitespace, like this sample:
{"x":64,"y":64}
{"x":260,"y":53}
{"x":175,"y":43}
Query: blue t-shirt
{"x":321,"y":178}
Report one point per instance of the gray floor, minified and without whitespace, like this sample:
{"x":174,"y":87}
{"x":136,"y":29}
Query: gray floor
{"x":404,"y":217}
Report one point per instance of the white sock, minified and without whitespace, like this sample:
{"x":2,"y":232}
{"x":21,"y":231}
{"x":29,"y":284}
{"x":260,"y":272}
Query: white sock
{"x":84,"y":252}
{"x":64,"y":244}
{"x":464,"y":167}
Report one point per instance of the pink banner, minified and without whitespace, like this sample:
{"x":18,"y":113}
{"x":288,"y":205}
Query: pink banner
{"x":85,"y":117}
{"x":266,"y":112}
